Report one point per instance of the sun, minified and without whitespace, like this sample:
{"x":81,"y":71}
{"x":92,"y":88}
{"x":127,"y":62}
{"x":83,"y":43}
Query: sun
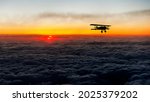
{"x":49,"y":37}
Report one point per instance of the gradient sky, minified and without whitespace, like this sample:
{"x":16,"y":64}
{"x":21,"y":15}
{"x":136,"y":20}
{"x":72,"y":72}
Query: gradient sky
{"x":73,"y":16}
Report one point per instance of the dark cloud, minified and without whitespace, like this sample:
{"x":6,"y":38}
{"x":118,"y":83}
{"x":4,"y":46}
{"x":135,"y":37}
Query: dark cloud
{"x":68,"y":15}
{"x":138,"y":13}
{"x":89,"y":16}
{"x":85,"y":60}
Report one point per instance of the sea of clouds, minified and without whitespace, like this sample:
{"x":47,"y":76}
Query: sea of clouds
{"x":75,"y":60}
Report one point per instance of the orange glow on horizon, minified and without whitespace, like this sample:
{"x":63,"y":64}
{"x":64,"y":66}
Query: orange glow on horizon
{"x":80,"y":29}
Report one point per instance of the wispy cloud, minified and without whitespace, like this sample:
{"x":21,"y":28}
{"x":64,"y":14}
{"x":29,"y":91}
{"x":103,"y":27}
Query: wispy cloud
{"x":120,"y":18}
{"x":135,"y":14}
{"x":68,"y":15}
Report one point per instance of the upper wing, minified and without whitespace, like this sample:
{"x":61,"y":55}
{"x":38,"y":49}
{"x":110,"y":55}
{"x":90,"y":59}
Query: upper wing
{"x":99,"y":25}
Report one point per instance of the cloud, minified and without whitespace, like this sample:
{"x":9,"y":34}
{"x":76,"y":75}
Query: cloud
{"x":129,"y":19}
{"x":135,"y":17}
{"x":69,"y":15}
{"x":89,"y":16}
{"x":60,"y":18}
{"x":79,"y":61}
{"x":137,"y":13}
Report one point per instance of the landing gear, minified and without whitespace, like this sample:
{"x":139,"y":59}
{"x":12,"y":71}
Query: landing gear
{"x":103,"y":31}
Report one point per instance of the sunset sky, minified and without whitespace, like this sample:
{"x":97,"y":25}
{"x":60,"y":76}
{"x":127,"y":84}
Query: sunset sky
{"x":127,"y":17}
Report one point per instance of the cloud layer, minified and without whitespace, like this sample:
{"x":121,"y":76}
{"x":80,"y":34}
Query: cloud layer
{"x":84,"y":60}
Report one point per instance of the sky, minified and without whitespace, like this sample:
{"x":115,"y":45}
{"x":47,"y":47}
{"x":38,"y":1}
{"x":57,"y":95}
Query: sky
{"x":74,"y":16}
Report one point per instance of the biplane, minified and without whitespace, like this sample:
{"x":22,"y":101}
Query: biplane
{"x":101,"y":27}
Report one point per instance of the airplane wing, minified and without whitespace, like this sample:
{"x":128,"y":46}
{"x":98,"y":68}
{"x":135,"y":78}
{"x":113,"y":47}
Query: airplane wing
{"x":99,"y":25}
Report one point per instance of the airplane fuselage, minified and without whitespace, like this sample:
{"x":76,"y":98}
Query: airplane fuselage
{"x":101,"y":28}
